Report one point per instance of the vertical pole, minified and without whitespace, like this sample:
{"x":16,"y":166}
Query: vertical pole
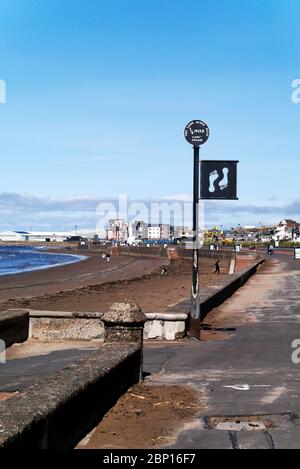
{"x":195,"y":317}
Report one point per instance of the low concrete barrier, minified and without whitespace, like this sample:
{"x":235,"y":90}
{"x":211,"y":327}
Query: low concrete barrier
{"x":14,"y":325}
{"x":183,"y":258}
{"x":168,"y":326}
{"x":62,"y":325}
{"x":151,"y":251}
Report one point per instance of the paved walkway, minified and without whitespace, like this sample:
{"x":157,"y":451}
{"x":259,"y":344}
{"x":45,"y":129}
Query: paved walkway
{"x":247,"y":379}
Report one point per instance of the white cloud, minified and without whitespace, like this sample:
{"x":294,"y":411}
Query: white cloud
{"x":22,"y":211}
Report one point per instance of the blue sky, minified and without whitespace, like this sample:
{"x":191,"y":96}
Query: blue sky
{"x":98,"y":94}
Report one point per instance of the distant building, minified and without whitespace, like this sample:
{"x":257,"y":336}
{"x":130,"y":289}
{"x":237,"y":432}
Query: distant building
{"x":182,"y":232}
{"x":287,"y":229}
{"x":165,"y":231}
{"x":153,"y":232}
{"x":14,"y":236}
{"x":117,"y":230}
{"x":139,"y":230}
{"x":34,"y":236}
{"x":48,"y":236}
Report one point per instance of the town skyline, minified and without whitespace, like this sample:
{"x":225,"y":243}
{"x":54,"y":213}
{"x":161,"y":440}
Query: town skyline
{"x":138,"y":231}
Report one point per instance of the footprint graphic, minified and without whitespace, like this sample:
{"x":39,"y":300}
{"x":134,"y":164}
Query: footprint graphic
{"x":224,"y":182}
{"x":213,"y":176}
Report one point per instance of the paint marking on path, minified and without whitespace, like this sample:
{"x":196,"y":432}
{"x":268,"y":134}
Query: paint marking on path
{"x":246,"y":387}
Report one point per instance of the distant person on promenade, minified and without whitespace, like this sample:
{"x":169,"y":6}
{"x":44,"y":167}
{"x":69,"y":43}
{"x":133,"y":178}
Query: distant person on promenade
{"x":217,"y":267}
{"x":108,"y":257}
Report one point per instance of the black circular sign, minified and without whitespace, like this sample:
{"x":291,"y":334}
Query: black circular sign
{"x":196,"y":133}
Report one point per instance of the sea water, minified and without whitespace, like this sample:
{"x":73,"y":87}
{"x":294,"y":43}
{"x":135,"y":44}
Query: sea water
{"x":16,"y":259}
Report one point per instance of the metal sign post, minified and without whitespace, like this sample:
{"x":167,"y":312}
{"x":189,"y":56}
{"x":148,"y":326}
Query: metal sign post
{"x":194,"y":329}
{"x":196,"y":133}
{"x":218,"y":182}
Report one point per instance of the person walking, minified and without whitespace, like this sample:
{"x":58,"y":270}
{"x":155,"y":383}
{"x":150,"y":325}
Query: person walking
{"x":217,"y":267}
{"x":108,"y":257}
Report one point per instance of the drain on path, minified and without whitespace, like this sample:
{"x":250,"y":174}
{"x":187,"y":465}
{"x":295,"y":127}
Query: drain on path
{"x":248,"y":423}
{"x":209,"y":332}
{"x":208,"y":327}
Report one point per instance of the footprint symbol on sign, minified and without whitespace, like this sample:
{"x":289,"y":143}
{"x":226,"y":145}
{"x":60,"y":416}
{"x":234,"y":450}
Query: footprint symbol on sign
{"x":213,"y":176}
{"x":224,"y":182}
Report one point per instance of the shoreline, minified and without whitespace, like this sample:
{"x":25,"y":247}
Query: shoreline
{"x":77,"y":258}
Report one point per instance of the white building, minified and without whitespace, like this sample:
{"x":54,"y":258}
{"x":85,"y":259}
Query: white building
{"x":117,"y":230}
{"x":48,"y":236}
{"x":287,"y":229}
{"x":183,"y":232}
{"x":14,"y":236}
{"x":165,"y":231}
{"x":154,"y":232}
{"x":34,"y":236}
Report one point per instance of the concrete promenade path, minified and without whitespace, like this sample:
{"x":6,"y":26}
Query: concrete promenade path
{"x":246,"y":380}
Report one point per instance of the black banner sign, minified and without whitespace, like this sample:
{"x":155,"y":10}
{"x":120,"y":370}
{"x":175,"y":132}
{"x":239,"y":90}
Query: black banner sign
{"x":218,"y":180}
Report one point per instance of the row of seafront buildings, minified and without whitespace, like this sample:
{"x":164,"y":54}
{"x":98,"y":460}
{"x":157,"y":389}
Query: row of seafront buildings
{"x":118,"y":230}
{"x":138,"y":231}
{"x":286,"y":230}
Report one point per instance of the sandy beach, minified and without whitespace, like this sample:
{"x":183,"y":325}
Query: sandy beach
{"x":93,"y":285}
